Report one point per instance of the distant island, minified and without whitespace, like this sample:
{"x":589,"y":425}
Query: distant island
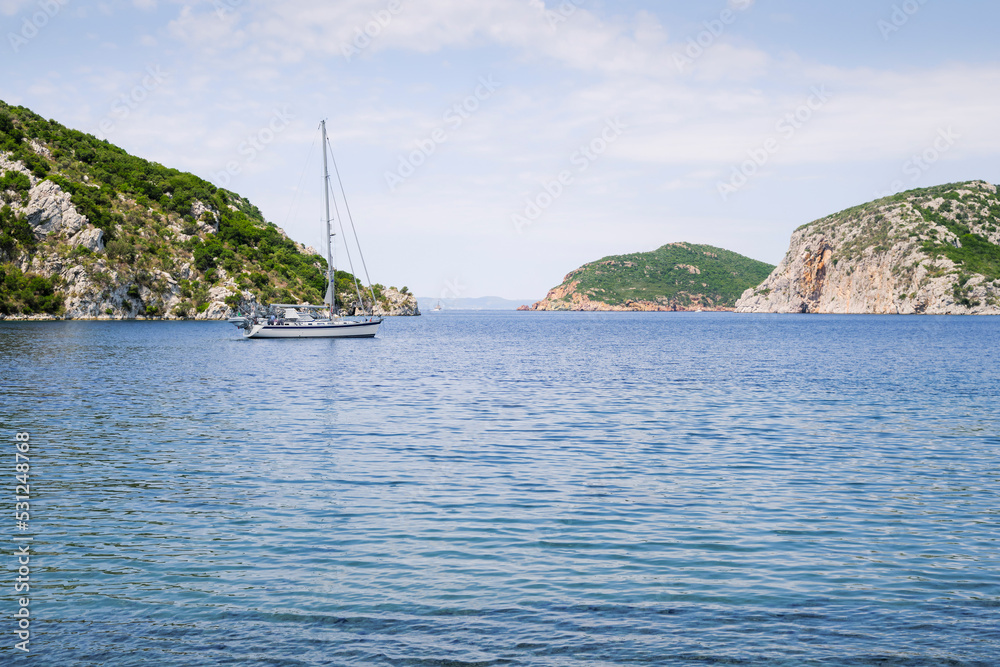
{"x":88,"y":231}
{"x":675,"y":277}
{"x":930,"y":251}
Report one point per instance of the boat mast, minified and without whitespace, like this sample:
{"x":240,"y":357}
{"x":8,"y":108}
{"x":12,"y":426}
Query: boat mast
{"x":331,"y":272}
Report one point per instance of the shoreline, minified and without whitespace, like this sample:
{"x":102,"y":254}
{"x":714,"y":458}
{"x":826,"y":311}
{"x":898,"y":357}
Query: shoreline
{"x":108,"y":318}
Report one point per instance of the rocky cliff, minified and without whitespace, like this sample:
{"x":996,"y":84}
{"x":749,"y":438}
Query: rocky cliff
{"x":931,"y":251}
{"x":90,"y":232}
{"x":675,"y":277}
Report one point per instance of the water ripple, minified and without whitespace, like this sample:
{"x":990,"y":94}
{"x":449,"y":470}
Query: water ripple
{"x":514,"y":489}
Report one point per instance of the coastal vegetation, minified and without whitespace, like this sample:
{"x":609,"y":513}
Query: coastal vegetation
{"x":677,"y":276}
{"x":27,"y":293}
{"x":974,"y":253}
{"x":166,"y":236}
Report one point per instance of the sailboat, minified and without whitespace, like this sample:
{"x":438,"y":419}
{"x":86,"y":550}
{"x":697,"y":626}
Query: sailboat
{"x":307,"y":321}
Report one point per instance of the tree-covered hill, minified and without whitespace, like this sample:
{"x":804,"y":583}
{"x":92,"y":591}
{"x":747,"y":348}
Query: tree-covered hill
{"x":88,"y":230}
{"x":678,"y":276}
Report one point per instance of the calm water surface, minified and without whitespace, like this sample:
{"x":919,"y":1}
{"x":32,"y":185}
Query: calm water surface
{"x":510,"y":489}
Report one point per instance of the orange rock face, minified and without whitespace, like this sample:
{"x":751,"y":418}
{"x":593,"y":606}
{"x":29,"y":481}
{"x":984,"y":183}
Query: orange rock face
{"x":566,"y":298}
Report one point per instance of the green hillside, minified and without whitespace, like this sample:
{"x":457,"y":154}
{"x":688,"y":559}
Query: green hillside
{"x":680,"y":275}
{"x":154,"y":220}
{"x":969,"y":212}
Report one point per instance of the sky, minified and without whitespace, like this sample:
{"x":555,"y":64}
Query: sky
{"x":489,"y":147}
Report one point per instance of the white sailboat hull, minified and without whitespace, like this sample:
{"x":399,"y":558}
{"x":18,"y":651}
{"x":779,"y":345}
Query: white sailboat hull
{"x":344,"y":329}
{"x":301,"y":321}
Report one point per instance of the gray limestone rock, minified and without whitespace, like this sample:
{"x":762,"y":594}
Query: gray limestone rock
{"x":50,"y":210}
{"x":91,"y":238}
{"x":875,"y":259}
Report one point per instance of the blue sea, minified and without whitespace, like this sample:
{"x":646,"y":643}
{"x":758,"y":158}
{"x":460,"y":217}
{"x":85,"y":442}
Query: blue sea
{"x":478,"y":489}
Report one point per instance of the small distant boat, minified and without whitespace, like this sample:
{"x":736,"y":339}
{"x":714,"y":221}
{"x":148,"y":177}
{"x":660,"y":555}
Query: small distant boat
{"x":437,"y":308}
{"x":307,"y":321}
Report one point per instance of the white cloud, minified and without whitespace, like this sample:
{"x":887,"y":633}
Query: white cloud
{"x":711,"y":116}
{"x":206,"y":31}
{"x":703,"y":121}
{"x":562,"y":80}
{"x":299,"y":28}
{"x":12,"y":7}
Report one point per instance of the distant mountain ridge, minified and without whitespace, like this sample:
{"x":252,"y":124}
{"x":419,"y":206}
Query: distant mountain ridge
{"x":428,"y":303}
{"x":89,"y":231}
{"x":675,"y":277}
{"x":927,"y":251}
